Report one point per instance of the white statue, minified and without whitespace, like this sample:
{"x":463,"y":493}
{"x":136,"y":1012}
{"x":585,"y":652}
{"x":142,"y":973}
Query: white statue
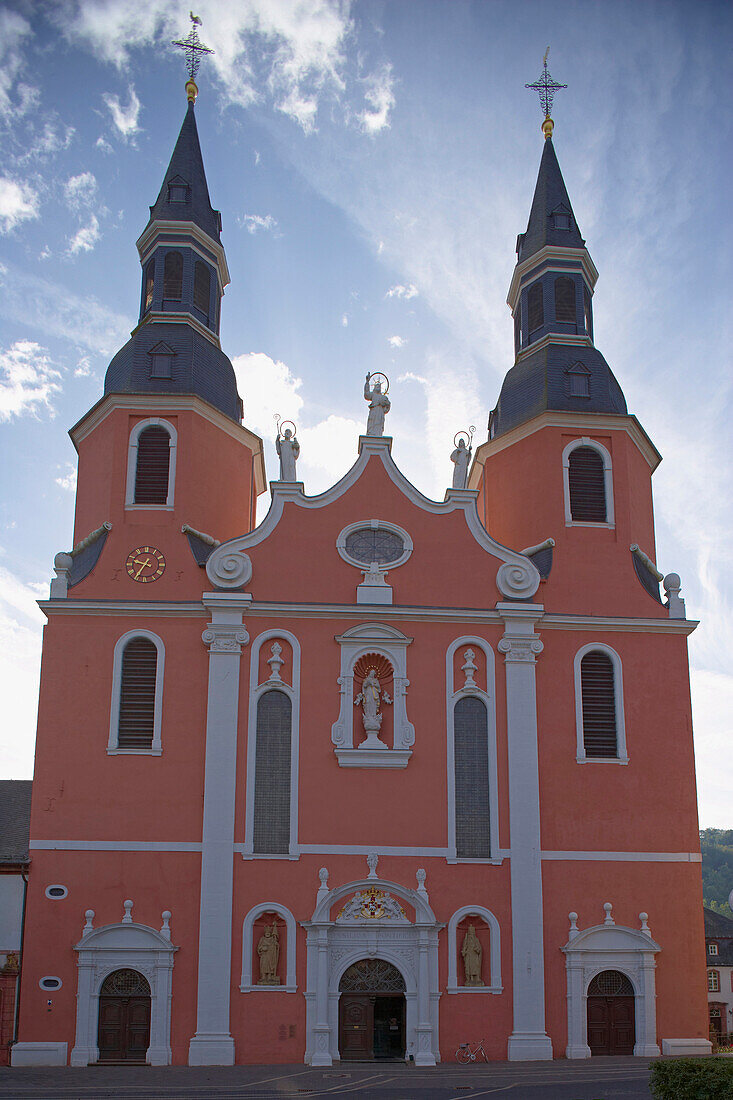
{"x":379,"y":406}
{"x":460,"y":458}
{"x":369,"y":699}
{"x":288,"y":449}
{"x":268,"y":950}
{"x":472,"y":952}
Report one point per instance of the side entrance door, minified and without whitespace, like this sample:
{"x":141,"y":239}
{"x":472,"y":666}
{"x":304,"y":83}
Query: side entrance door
{"x":611,"y":1024}
{"x":124,"y":1017}
{"x":356,"y":1018}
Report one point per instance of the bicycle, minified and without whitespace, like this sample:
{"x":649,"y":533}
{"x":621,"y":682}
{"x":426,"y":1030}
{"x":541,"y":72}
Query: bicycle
{"x":466,"y":1053}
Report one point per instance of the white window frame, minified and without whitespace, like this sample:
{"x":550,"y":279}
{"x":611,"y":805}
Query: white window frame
{"x":247,"y":984}
{"x":712,"y":949}
{"x":113,"y":747}
{"x":488,"y":698}
{"x":255,"y":691}
{"x":713,"y":981}
{"x":489,"y":919}
{"x":586,"y":441}
{"x":151,"y":422}
{"x":622,"y":756}
{"x":374,"y":525}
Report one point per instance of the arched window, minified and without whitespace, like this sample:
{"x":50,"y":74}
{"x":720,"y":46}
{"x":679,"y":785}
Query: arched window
{"x":587,"y":486}
{"x":564,"y":299}
{"x":535,"y":307}
{"x":153,"y":460}
{"x":201,"y":287}
{"x":137,"y":693}
{"x":173,"y":275}
{"x":599,"y":704}
{"x":271,"y":834}
{"x":588,"y":310}
{"x":149,"y":284}
{"x":470,"y":726}
{"x":713,"y":981}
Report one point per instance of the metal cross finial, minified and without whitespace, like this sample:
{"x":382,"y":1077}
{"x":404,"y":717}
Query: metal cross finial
{"x":546,"y":87}
{"x":193,"y":47}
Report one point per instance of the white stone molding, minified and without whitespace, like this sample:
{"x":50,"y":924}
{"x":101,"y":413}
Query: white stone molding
{"x":485,"y":691}
{"x":213,"y":1043}
{"x":150,"y":422}
{"x":247,"y":985}
{"x":38,"y":1054}
{"x":488,"y":918}
{"x":520,"y":645}
{"x":156,"y":748}
{"x":334,"y":944}
{"x":255,"y":691}
{"x":120,"y":946}
{"x":675,"y":604}
{"x":622,"y":756}
{"x":392,"y":644}
{"x":678,"y":1048}
{"x":586,"y":441}
{"x":379,"y":449}
{"x":229,"y":568}
{"x":374,"y":587}
{"x":610,"y":947}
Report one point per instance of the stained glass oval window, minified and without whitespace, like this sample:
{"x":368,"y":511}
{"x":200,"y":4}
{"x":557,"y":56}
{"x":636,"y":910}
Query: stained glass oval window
{"x":368,"y":544}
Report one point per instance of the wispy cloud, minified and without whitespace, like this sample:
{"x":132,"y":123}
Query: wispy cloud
{"x":67,"y":481}
{"x":80,"y":191}
{"x":396,"y":341}
{"x":125,"y":119}
{"x":19,"y":202}
{"x":14,"y":30}
{"x":380,"y":100}
{"x":21,"y":624}
{"x":28,"y":381}
{"x":85,"y":237}
{"x":253,"y":222}
{"x":400,"y":291}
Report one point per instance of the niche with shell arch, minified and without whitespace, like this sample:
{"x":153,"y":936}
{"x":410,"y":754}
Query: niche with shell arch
{"x":469,"y":973}
{"x":257,"y":920}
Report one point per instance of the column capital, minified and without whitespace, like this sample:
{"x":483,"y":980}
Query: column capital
{"x":520,"y":649}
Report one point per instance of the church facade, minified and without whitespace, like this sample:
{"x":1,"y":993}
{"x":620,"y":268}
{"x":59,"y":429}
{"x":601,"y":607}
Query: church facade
{"x":382,"y":774}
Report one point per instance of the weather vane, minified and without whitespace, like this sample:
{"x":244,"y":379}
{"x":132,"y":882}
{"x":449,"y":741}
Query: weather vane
{"x":546,"y":87}
{"x":193,"y":47}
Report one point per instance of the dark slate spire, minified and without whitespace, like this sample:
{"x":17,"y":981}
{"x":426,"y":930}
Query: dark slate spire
{"x":184,"y":195}
{"x":550,"y":200}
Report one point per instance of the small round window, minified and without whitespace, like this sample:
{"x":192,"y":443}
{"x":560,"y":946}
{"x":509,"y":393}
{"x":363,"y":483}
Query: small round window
{"x":50,"y":982}
{"x":56,"y":892}
{"x":374,"y":541}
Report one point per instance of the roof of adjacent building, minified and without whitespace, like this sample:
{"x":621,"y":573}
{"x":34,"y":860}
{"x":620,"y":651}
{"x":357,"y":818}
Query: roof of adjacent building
{"x":550,"y":196}
{"x":15,"y":820}
{"x":187,"y":166}
{"x":719,"y":928}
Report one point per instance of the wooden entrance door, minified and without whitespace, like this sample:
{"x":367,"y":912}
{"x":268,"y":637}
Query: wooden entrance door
{"x":372,"y":1011}
{"x":356,"y":1026}
{"x":124,"y":1017}
{"x":611,"y":1026}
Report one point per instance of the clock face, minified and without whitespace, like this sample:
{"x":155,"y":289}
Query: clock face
{"x":145,"y":564}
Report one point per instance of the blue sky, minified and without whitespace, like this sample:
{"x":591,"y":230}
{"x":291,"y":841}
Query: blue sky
{"x":373,"y":163}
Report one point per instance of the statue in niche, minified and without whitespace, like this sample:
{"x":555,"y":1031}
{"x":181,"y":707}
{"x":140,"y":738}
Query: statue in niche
{"x":472,"y":952}
{"x":288,"y":449}
{"x":268,"y":950}
{"x":379,"y":405}
{"x":369,"y":699}
{"x":460,"y":458}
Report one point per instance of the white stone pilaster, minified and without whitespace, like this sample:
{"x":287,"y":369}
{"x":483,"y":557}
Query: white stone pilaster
{"x":520,"y":645}
{"x":322,"y":1031}
{"x":424,"y":1055}
{"x":213,"y":1043}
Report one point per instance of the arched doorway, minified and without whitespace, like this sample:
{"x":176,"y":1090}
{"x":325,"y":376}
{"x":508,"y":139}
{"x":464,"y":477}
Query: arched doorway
{"x":611,"y":1027}
{"x":124,"y":1017}
{"x":372,"y":1012}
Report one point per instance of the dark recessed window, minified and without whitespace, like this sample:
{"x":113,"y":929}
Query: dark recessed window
{"x":587,"y":484}
{"x":370,"y":544}
{"x":201,"y":287}
{"x":564,"y":299}
{"x":471,"y":754}
{"x":517,"y":330}
{"x":178,"y":190}
{"x":173,"y":275}
{"x":535,"y":307}
{"x":599,"y":704}
{"x":587,"y":309}
{"x":578,"y":380}
{"x":137,"y":694}
{"x":272,"y":774}
{"x":561,"y":220}
{"x":56,"y":892}
{"x":153,"y":462}
{"x":149,"y":284}
{"x":50,"y":983}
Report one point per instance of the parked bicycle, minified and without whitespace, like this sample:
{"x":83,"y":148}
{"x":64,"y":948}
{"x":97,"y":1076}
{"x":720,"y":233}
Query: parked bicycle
{"x":466,"y":1053}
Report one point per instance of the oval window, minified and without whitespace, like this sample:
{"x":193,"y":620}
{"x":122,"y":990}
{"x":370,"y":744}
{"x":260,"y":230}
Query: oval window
{"x":56,"y":892}
{"x":50,"y":982}
{"x":368,"y":544}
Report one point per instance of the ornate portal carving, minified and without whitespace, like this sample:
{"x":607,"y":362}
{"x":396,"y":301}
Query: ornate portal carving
{"x":371,"y":905}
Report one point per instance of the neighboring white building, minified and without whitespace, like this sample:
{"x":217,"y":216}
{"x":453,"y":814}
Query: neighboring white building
{"x":719,"y":956}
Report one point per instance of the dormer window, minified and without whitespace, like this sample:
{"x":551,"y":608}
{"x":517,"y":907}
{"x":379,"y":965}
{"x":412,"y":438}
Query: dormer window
{"x":161,"y":361}
{"x":578,"y":380}
{"x":560,"y":217}
{"x":178,"y":190}
{"x":712,"y":949}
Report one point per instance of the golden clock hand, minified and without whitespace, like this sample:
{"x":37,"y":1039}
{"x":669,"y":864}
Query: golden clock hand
{"x":142,"y":565}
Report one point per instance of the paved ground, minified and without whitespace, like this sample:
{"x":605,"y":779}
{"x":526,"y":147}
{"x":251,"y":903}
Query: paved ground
{"x":597,"y":1079}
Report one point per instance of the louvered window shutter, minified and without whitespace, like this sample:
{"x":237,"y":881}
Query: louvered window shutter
{"x":599,"y":704}
{"x":153,"y":460}
{"x":587,"y":485}
{"x":564,"y":299}
{"x":173,"y":275}
{"x":137,"y":694}
{"x":471,"y":756}
{"x":535,"y":307}
{"x":201,"y":287}
{"x":272,"y":774}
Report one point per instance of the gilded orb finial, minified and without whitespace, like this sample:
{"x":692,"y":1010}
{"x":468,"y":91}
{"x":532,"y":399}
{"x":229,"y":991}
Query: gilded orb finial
{"x":546,"y":87}
{"x":194,"y":49}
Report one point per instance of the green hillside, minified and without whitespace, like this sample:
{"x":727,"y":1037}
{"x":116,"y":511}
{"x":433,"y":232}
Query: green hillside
{"x":716,"y":846}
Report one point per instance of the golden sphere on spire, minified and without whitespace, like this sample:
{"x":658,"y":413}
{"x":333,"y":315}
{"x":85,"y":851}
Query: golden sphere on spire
{"x":191,"y":91}
{"x":547,"y":127}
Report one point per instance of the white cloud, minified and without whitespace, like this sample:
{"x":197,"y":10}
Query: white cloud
{"x":400,"y":291}
{"x":85,"y":237}
{"x":80,"y":191}
{"x":267,"y":387}
{"x":380,"y":99}
{"x":83,"y":368}
{"x":396,"y":341}
{"x":302,"y":109}
{"x":124,"y":118}
{"x":102,"y":144}
{"x":328,"y":450}
{"x":27,"y":380}
{"x":253,"y":222}
{"x":345,"y":320}
{"x":52,"y":138}
{"x":67,"y":481}
{"x":712,"y":703}
{"x":14,"y":30}
{"x":18,"y":203}
{"x":20,"y":640}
